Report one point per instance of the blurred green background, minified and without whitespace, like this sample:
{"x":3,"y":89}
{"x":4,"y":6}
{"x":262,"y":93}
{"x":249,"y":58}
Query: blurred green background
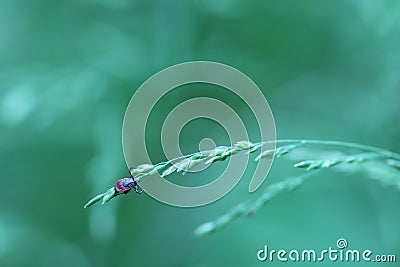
{"x":330,"y":70}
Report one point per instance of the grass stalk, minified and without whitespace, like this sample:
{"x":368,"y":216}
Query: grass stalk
{"x":283,"y":146}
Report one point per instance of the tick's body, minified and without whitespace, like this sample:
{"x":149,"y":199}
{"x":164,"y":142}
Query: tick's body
{"x":124,"y":185}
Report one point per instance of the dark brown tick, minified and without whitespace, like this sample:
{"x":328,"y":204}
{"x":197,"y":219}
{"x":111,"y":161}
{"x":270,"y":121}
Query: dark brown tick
{"x":124,"y":185}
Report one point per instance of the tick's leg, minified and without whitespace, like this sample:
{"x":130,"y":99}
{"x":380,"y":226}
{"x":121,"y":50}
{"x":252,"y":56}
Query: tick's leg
{"x":137,"y":189}
{"x":130,"y":169}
